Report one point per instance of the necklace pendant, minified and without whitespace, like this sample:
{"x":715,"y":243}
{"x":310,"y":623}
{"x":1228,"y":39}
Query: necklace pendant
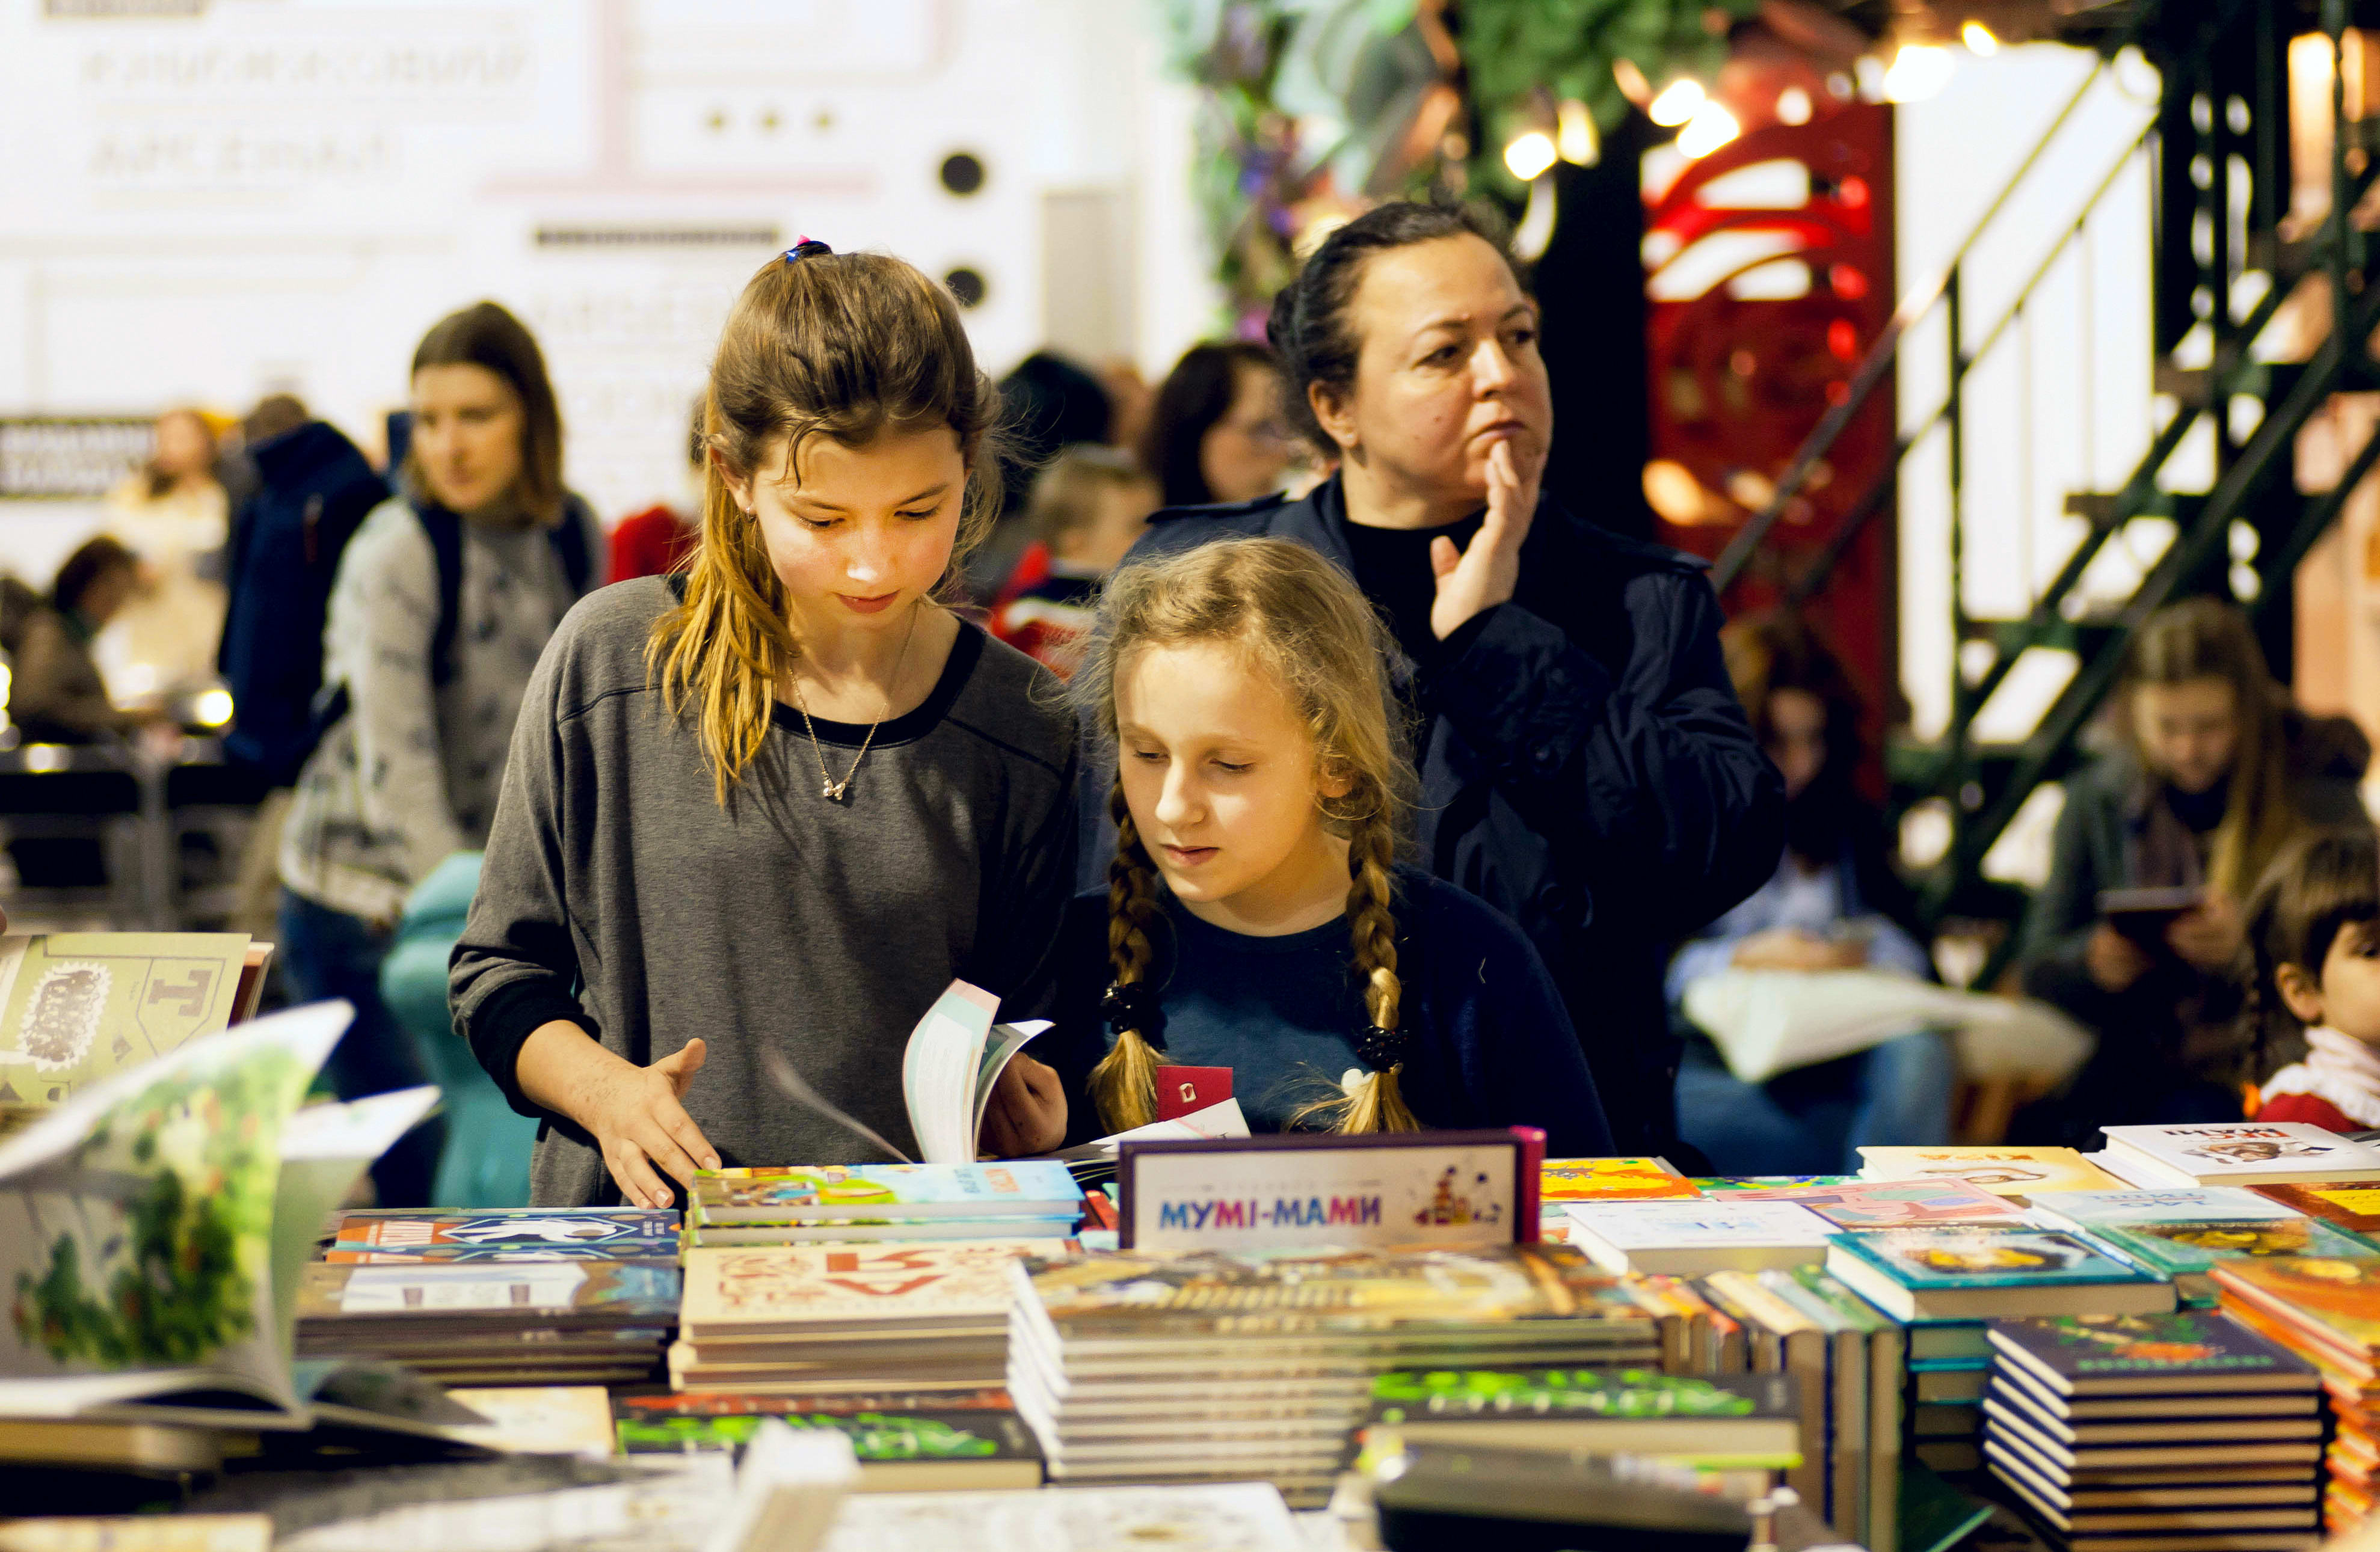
{"x":832,"y":791}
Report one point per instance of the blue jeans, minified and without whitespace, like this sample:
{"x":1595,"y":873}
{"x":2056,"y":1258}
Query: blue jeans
{"x":1813,"y":1120}
{"x":327,"y":953}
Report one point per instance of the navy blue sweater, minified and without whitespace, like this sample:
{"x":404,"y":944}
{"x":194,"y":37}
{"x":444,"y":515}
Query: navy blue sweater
{"x":1491,"y":1043}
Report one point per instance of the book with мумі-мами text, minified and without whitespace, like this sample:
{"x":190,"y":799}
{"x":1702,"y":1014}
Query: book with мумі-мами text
{"x":1980,"y":1270}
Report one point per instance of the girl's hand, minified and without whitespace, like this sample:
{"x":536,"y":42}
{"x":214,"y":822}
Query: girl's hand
{"x":2208,"y":937}
{"x":634,"y":1112}
{"x":1028,"y":1112}
{"x":1475,"y":580}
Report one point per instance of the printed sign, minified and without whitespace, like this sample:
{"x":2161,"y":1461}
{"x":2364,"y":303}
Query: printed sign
{"x":1433,"y":1189}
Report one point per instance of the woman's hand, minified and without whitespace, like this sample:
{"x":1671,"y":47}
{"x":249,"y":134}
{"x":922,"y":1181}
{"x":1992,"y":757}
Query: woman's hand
{"x":2115,"y":960}
{"x":2208,"y":937}
{"x":1790,"y":948}
{"x":1474,"y":580}
{"x":1028,"y":1110}
{"x":634,"y":1112}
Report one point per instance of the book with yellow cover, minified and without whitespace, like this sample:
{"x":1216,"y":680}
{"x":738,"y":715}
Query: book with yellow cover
{"x":2002,"y":1169}
{"x":77,"y":1007}
{"x":1610,"y":1180}
{"x":2353,"y":1205}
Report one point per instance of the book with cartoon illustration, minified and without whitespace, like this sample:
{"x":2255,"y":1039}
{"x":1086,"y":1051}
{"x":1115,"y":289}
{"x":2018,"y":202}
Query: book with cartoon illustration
{"x":1970,"y":1271}
{"x":79,"y":1007}
{"x":413,"y":1229}
{"x":2191,"y":1249}
{"x":2003,"y":1170}
{"x":2241,"y":1153}
{"x":814,"y":1193}
{"x":2187,"y":1352}
{"x":814,"y":1290}
{"x":154,"y":1229}
{"x":1891,"y":1204}
{"x":1609,"y":1180}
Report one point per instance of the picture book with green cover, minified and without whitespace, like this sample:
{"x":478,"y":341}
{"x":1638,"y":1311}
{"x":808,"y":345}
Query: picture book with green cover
{"x":2182,"y":1249}
{"x":2110,"y":1354}
{"x":1984,"y":1269}
{"x":1744,"y":1417}
{"x":878,"y":1438}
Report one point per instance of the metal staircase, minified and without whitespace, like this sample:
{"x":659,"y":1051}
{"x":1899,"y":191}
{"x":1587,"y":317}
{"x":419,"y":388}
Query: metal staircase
{"x":2224,"y":259}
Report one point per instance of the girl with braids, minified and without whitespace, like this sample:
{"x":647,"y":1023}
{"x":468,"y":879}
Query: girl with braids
{"x":1255,"y":915}
{"x":767,"y":807}
{"x":2313,"y":935}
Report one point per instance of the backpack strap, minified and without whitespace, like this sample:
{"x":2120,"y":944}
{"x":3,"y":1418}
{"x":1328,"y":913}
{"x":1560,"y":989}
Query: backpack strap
{"x":569,"y":541}
{"x":446,"y":533}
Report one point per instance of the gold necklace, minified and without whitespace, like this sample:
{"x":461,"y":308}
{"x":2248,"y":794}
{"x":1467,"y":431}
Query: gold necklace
{"x":829,"y":788}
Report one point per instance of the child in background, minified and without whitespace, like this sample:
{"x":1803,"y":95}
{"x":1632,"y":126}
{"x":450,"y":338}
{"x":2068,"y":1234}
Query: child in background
{"x":658,"y":541}
{"x":1088,"y":508}
{"x":2314,"y":931}
{"x":1255,"y":917}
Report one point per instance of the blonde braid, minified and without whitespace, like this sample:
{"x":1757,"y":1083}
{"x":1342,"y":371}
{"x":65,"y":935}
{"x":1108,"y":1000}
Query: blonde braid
{"x":1123,"y":1083}
{"x":1377,"y":1104}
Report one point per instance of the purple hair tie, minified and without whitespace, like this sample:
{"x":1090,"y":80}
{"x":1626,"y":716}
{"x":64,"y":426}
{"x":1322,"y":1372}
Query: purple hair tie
{"x":805,"y":248}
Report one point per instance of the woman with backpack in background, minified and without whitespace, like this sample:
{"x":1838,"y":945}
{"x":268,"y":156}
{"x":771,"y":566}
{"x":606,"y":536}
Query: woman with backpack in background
{"x":444,"y":601}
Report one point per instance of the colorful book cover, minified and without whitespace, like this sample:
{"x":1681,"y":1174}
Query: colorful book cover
{"x":1722,"y":1185}
{"x":2002,"y":1170}
{"x":2204,"y":1204}
{"x":1159,"y":1294}
{"x":819,"y":1285}
{"x":2086,"y":1349}
{"x":1030,"y":1188}
{"x":877,"y":1436}
{"x":2179,"y":1249}
{"x":1595,"y":1180}
{"x":1984,"y":1255}
{"x":610,"y":1291}
{"x":76,"y":1007}
{"x":576,"y":1229}
{"x":647,"y":1253}
{"x":2248,"y":1150}
{"x":2353,"y":1205}
{"x":1860,"y":1203}
{"x":1634,"y":1394}
{"x":2341,"y":1295}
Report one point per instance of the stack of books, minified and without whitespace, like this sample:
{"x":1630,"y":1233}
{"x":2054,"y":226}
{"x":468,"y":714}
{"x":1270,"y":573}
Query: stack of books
{"x":507,"y":1322}
{"x":2174,"y":1431}
{"x":2181,"y":1234}
{"x":1210,"y":1366}
{"x":1723,"y":1424}
{"x":848,"y":1318}
{"x":1982,"y":1271}
{"x":431,"y":1236}
{"x":803,"y":1204}
{"x":2236,"y":1153}
{"x":2327,"y":1311}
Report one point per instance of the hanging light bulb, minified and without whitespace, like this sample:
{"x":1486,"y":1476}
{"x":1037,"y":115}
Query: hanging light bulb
{"x":1530,"y":153}
{"x":1918,"y":71}
{"x":1678,"y":102}
{"x":1575,"y":133}
{"x":1711,"y":127}
{"x":1979,"y":40}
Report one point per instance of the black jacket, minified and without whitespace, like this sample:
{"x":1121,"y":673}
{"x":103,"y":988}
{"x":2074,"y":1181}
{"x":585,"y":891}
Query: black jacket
{"x":1585,"y":769}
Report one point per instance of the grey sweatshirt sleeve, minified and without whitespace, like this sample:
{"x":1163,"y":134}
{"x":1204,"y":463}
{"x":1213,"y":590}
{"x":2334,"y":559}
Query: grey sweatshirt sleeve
{"x":515,"y":966}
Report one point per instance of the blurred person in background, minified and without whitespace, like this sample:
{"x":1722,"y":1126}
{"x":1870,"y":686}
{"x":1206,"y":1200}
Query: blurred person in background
{"x":1051,"y":403}
{"x":174,"y":514}
{"x":1215,"y":433}
{"x":1089,"y":508}
{"x":1833,"y":903}
{"x":444,"y":600}
{"x":56,"y":693}
{"x":2217,"y":773}
{"x":657,"y":541}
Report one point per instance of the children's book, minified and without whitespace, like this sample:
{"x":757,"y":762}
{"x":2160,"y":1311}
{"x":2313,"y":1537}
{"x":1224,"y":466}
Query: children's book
{"x":798,"y":1290}
{"x":2001,"y":1170}
{"x":526,"y":1227}
{"x":1610,"y":1180}
{"x":2351,"y":1206}
{"x":542,"y":1419}
{"x":1860,"y":1203}
{"x":2243,"y":1153}
{"x":1981,"y":1270}
{"x":2191,"y":1249}
{"x":1689,"y":1238}
{"x":928,"y":1449}
{"x":2333,"y":1302}
{"x":814,"y":1194}
{"x":1722,"y":1185}
{"x":864,"y":1230}
{"x":155,"y":1226}
{"x":636,"y":1253}
{"x":79,"y":1007}
{"x":2212,"y":1203}
{"x":2186,"y":1353}
{"x":1749,"y":1419}
{"x":1227,"y":1517}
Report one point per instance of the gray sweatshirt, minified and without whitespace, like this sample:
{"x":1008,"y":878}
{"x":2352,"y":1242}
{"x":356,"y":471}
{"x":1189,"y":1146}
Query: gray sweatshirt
{"x":782,"y":920}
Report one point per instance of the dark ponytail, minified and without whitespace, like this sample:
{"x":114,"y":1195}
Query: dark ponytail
{"x":1309,"y":327}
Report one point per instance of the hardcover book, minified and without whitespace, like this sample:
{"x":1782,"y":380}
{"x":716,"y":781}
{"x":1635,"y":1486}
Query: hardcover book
{"x":520,"y":1227}
{"x":1689,"y":1238}
{"x":2336,"y":1302}
{"x":2353,"y":1206}
{"x":638,"y":1253}
{"x":1984,"y":1269}
{"x":1862,"y":1204}
{"x":1752,"y":1418}
{"x":2203,"y":1204}
{"x":2188,"y":1352}
{"x":924,"y":1448}
{"x":2179,"y":1250}
{"x":2245,"y":1152}
{"x":1610,"y":1180}
{"x":2001,"y":1170}
{"x":821,"y":1193}
{"x":590,"y":1293}
{"x":814,"y":1290}
{"x":1722,"y":1185}
{"x":80,"y":1007}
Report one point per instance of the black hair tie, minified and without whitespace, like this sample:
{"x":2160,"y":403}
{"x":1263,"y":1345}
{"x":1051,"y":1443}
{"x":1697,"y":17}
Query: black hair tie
{"x":1132,"y":1005}
{"x":805,"y":248}
{"x":1381,"y":1048}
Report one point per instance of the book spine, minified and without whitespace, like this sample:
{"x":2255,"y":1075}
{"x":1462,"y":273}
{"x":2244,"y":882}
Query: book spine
{"x":1532,"y":1167}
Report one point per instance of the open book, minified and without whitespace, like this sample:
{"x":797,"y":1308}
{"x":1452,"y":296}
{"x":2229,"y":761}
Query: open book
{"x":954,"y":1057}
{"x":153,"y":1230}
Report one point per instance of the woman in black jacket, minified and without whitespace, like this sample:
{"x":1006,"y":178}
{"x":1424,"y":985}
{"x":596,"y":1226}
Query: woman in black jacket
{"x":1585,"y":765}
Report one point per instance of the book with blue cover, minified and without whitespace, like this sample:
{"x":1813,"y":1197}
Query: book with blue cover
{"x":825,"y":1193}
{"x":1972,"y":1271}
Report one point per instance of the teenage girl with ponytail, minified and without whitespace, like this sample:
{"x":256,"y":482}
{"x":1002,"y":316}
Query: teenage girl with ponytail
{"x":1257,"y":916}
